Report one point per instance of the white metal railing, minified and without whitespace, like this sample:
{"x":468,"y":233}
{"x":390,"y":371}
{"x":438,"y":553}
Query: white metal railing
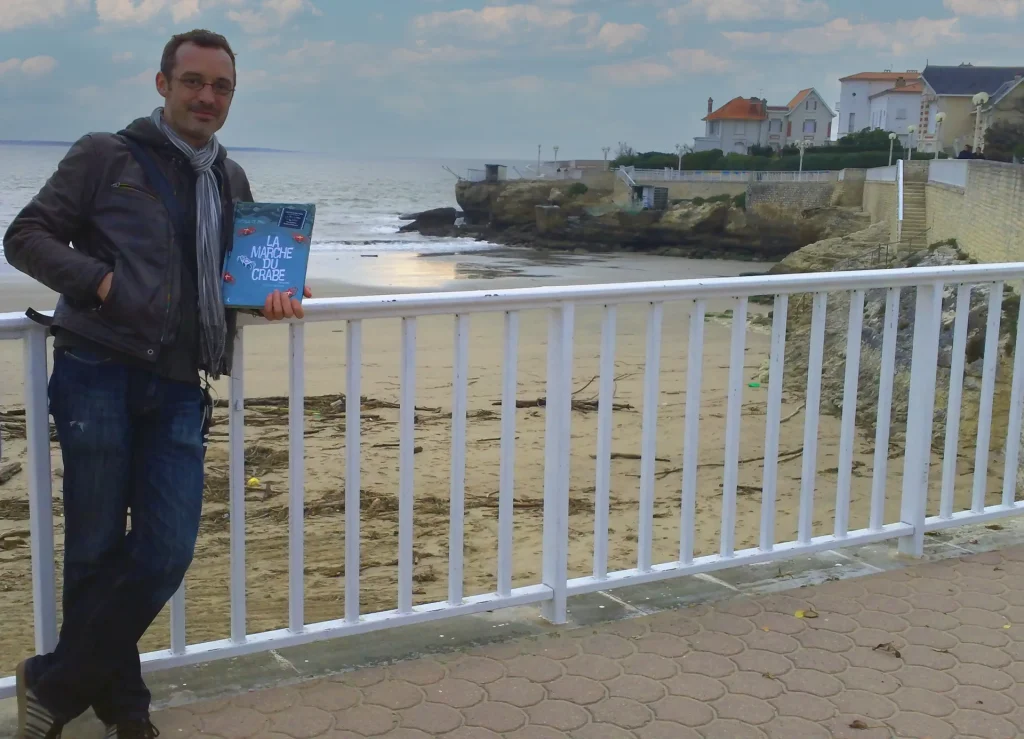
{"x":948,"y":172}
{"x":554,"y":585}
{"x":881,"y":174}
{"x":738,"y":176}
{"x":900,"y":174}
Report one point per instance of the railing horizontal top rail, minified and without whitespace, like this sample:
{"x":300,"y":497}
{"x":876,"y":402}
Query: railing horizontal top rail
{"x":397,"y":306}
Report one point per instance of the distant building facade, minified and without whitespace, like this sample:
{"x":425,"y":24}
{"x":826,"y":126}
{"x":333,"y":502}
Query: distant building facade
{"x":745,"y":122}
{"x":858,"y":108}
{"x":951,"y":90}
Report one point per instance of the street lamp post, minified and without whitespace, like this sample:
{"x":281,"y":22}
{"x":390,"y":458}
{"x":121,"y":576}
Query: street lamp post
{"x":892,"y":140}
{"x":538,"y":159}
{"x":679,"y":151}
{"x":801,"y":145}
{"x":606,"y":149}
{"x":910,"y":140}
{"x":980,"y":100}
{"x":556,"y":155}
{"x":939,"y":118}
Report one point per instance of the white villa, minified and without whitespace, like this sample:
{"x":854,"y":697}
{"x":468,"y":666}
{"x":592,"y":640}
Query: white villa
{"x":879,"y":100}
{"x":745,"y":122}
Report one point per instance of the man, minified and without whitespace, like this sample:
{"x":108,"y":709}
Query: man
{"x":149,"y":214}
{"x":966,"y":153}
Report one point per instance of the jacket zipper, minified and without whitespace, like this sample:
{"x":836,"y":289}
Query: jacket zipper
{"x":132,"y":188}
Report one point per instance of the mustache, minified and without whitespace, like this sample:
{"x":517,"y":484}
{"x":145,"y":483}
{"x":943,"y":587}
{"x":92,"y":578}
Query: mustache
{"x":202,"y":109}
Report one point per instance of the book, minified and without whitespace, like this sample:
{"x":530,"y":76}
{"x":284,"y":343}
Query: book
{"x":269,"y":251}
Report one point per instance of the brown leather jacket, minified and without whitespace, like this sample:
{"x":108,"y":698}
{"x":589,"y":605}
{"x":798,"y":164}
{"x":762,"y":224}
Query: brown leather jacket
{"x":97,"y":214}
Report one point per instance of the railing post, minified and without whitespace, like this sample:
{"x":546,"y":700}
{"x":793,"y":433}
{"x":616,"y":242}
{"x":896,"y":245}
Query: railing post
{"x":40,"y":491}
{"x":558,"y":408}
{"x":917,"y":453}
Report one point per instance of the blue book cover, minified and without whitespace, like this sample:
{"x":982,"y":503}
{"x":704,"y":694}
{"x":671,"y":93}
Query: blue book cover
{"x":269,"y":251}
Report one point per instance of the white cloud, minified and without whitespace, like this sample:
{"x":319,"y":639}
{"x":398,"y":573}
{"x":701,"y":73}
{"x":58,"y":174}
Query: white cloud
{"x":747,"y":10}
{"x":264,"y":42}
{"x":897,"y":37}
{"x":34,"y":66}
{"x":991,"y":8}
{"x":145,"y":77}
{"x":128,"y":11}
{"x":658,"y":70}
{"x":448,"y":54}
{"x":20,"y":13}
{"x":507,"y":21}
{"x":613,"y":36}
{"x":270,"y":14}
{"x":123,"y":56}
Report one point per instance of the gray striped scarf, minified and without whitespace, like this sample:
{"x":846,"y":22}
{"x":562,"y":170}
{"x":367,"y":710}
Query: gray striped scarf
{"x":213,"y":329}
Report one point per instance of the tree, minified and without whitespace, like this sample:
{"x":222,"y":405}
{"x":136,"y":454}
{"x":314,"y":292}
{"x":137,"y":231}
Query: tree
{"x":625,"y":151}
{"x":1004,"y":140}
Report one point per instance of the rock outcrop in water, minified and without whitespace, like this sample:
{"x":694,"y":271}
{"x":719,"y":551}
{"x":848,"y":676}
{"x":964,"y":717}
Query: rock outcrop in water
{"x":564,"y":216}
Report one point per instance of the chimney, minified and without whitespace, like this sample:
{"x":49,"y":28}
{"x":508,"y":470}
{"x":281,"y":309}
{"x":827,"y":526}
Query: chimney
{"x":711,"y":105}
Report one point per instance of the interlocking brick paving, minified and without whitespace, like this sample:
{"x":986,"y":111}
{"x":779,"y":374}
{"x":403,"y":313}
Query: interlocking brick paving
{"x":935,"y":650}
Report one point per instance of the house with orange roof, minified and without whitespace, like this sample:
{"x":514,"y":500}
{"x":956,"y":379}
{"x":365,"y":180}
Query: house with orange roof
{"x":745,"y":122}
{"x":855,"y":100}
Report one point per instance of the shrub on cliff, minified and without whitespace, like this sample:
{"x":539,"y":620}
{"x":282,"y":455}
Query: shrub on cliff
{"x":577,"y":188}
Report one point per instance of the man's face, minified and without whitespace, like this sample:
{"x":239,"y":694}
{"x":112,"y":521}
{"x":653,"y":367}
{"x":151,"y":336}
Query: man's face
{"x":197,"y":114}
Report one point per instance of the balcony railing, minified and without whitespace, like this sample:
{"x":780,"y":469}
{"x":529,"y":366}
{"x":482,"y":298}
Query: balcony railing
{"x":552,"y":584}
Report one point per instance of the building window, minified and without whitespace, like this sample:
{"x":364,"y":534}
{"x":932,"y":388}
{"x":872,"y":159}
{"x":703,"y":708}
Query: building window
{"x":810,"y":126}
{"x":741,"y":128}
{"x":901,"y":114}
{"x":713,"y":131}
{"x":853,"y":117}
{"x":775,"y":125}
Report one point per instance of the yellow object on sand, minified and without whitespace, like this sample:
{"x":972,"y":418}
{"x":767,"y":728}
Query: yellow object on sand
{"x":254,"y":482}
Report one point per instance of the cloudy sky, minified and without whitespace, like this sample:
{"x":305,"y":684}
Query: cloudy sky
{"x":474,"y":78}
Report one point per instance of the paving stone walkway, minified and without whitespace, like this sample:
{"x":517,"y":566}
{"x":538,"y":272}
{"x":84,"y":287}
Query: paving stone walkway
{"x":934,"y":650}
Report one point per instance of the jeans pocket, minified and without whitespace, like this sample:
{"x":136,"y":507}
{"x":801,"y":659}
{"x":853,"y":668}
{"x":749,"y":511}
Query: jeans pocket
{"x":85,"y":356}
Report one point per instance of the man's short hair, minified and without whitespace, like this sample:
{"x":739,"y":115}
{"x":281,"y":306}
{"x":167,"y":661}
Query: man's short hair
{"x":199,"y":37}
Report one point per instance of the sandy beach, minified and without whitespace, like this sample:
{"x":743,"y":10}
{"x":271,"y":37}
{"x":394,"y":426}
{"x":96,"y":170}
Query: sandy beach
{"x":207,"y":609}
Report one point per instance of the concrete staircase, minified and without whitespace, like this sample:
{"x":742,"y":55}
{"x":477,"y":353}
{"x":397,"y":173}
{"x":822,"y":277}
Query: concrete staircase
{"x":915,"y":217}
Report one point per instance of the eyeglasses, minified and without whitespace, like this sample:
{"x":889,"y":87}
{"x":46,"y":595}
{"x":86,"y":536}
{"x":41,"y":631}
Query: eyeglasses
{"x":220,"y":87}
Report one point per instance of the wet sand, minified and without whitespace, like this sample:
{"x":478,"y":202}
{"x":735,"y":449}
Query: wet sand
{"x":207,"y":602}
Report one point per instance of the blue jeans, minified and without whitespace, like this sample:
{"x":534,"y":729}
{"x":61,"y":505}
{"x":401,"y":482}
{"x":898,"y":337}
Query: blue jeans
{"x":130,"y":440}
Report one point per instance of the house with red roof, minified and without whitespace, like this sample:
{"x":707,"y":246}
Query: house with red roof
{"x":745,"y":122}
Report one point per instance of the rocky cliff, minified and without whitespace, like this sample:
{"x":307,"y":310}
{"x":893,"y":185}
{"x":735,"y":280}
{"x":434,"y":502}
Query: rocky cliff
{"x":559,"y":215}
{"x":866,"y":250}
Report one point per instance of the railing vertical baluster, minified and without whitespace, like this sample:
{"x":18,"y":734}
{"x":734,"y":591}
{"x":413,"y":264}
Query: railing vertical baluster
{"x":1013,"y":427}
{"x":691,"y":430}
{"x":733,"y":417}
{"x":40,"y":491}
{"x":988,"y":390}
{"x":846,"y":434}
{"x":888,"y":362}
{"x":178,"y":642}
{"x":649,"y":436}
{"x":604,"y":442}
{"x":776,"y":366}
{"x":809,"y":473}
{"x":917,"y":456}
{"x":557,"y":451}
{"x":296,"y":476}
{"x":457,"y":495}
{"x":956,"y":387}
{"x":507,"y":465}
{"x":406,"y":464}
{"x":353,"y":471}
{"x":236,"y":487}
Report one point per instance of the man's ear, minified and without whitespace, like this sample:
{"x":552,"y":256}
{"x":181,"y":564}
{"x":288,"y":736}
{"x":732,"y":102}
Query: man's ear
{"x":162,"y":85}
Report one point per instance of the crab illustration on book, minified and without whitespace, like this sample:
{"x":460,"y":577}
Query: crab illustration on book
{"x":299,"y":238}
{"x":247,"y":231}
{"x":290,"y":292}
{"x":228,"y":278}
{"x":245,"y":261}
